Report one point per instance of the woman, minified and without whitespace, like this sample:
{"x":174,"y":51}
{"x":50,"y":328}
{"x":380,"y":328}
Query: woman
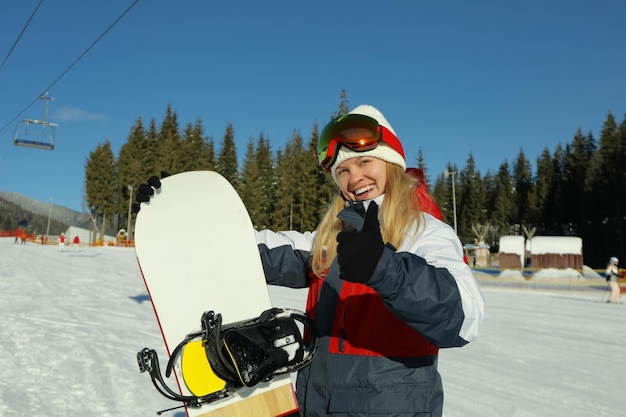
{"x":386,"y":290}
{"x":611,"y":277}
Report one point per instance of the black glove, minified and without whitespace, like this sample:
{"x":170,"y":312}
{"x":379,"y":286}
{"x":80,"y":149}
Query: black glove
{"x":145,"y":191}
{"x":358,"y":253}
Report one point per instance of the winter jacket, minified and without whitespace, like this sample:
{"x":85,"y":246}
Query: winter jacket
{"x":611,"y":273}
{"x":379,"y":342}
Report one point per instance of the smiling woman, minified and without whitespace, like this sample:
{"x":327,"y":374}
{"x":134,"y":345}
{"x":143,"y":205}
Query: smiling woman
{"x":401,"y":272}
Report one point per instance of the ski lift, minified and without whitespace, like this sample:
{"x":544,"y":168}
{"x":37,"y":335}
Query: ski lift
{"x":34,"y":133}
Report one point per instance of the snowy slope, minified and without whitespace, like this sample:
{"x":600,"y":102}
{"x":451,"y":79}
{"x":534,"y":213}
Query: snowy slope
{"x":71,"y":324}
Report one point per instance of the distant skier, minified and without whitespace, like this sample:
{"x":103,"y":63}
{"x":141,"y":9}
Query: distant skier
{"x":76,"y":241}
{"x":611,"y":277}
{"x":62,"y":242}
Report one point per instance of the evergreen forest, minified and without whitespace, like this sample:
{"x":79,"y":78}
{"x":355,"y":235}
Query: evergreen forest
{"x":576,"y":190}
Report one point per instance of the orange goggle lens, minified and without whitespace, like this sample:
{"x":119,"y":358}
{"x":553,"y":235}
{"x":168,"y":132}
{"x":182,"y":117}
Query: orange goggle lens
{"x":357,"y":132}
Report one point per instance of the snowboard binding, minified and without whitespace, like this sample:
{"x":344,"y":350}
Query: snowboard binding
{"x":220,"y":359}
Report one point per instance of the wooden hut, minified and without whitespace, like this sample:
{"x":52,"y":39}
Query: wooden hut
{"x":558,"y":252}
{"x":511,"y":253}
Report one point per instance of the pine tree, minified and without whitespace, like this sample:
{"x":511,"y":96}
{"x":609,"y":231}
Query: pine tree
{"x":282,"y":206}
{"x":503,"y":215}
{"x":421,"y":164}
{"x":135,"y":164}
{"x":445,"y":194}
{"x":152,"y":141}
{"x":319,"y":181}
{"x":101,"y":184}
{"x":227,"y":164}
{"x":250,"y":185}
{"x":572,"y":189}
{"x":291,"y":174}
{"x":195,"y":152}
{"x":488,"y":187}
{"x":257,"y":177}
{"x":169,"y":144}
{"x":470,"y":201}
{"x":343,"y":105}
{"x":543,"y":192}
{"x":522,"y":183}
{"x":265,"y":163}
{"x":607,"y":183}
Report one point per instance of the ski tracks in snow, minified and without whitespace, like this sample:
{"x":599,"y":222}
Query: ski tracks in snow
{"x":70,"y":333}
{"x":71,"y":324}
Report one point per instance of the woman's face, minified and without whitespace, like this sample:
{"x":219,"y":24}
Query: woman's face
{"x":362,"y":178}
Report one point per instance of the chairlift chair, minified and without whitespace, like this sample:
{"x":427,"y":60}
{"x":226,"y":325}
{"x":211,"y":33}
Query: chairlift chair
{"x":34,"y":133}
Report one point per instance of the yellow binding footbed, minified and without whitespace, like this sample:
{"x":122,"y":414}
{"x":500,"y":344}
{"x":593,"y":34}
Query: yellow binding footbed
{"x":197,"y":373}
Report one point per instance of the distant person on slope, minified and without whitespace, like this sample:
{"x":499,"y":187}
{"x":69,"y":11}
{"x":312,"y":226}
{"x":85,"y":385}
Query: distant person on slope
{"x":61,"y":242}
{"x":611,"y":277}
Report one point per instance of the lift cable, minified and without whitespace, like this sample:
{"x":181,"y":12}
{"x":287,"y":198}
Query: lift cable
{"x":71,"y":65}
{"x":20,"y":35}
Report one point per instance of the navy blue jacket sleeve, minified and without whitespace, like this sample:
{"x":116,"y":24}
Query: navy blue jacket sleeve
{"x":285,"y":257}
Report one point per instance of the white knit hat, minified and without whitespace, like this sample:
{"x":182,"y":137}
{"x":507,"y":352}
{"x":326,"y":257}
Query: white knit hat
{"x":387,"y":151}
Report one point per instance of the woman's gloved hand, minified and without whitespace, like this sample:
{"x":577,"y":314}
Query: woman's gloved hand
{"x":358,"y":253}
{"x":146,"y":191}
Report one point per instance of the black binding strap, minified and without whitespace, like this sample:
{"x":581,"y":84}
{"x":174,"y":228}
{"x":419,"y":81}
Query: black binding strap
{"x":257,"y":350}
{"x":242,"y":353}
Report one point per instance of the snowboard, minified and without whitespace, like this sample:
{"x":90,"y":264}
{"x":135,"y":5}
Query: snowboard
{"x":197,"y":252}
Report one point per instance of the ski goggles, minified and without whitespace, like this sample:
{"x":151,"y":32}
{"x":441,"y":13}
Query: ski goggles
{"x":356,"y":132}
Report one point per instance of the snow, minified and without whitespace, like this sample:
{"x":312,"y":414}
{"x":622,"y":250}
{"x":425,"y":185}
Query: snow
{"x":512,"y":244}
{"x":72,"y":322}
{"x":556,"y":244}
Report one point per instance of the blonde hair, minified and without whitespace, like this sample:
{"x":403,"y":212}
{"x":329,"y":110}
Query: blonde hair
{"x":399,"y":213}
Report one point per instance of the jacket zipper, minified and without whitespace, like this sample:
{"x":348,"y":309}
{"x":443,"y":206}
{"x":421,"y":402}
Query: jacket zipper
{"x":342,"y":330}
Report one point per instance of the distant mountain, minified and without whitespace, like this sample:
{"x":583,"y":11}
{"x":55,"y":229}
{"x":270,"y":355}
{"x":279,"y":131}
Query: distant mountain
{"x":17,"y":210}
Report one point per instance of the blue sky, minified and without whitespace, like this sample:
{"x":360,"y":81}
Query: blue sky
{"x":452,"y":77}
